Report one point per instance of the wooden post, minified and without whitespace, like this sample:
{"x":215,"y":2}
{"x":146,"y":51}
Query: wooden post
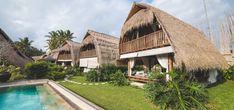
{"x":129,"y":67}
{"x":170,"y":62}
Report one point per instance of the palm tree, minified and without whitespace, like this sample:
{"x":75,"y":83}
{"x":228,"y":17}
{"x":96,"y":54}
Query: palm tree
{"x":24,"y":45}
{"x":58,"y":38}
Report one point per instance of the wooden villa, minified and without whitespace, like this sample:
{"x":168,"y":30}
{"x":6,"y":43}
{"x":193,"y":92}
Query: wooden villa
{"x":151,"y":36}
{"x":67,"y":55}
{"x":10,"y":52}
{"x":97,"y":49}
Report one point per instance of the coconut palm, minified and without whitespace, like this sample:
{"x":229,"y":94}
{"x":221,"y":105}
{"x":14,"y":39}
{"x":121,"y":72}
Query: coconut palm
{"x":57,"y":38}
{"x":24,"y":45}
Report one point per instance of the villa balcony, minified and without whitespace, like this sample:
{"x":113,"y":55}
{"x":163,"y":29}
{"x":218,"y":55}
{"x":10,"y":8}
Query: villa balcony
{"x":88,"y":53}
{"x":152,"y":40}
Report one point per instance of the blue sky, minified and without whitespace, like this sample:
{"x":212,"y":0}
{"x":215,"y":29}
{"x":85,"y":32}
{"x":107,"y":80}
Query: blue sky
{"x":35,"y":18}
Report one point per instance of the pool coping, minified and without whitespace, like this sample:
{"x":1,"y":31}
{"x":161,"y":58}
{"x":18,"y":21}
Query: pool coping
{"x":76,"y":101}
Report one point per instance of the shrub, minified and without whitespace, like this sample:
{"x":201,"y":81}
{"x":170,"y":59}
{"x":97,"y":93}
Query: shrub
{"x":42,"y":69}
{"x":54,"y":67}
{"x":106,"y":70}
{"x":123,"y":68}
{"x":55,"y":75}
{"x":3,"y":69}
{"x":228,"y":74}
{"x":119,"y":79}
{"x":15,"y":73}
{"x":93,"y":75}
{"x":36,"y":70}
{"x":75,"y":70}
{"x":178,"y":93}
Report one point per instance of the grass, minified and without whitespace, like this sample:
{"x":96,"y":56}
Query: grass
{"x":80,"y":79}
{"x":111,"y":97}
{"x":222,"y":96}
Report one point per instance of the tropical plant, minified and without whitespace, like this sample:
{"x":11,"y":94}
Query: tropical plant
{"x":36,"y":70}
{"x":119,"y":79}
{"x":58,"y":38}
{"x":106,"y":70}
{"x":74,"y":70}
{"x":15,"y":73}
{"x":228,"y":73}
{"x":177,"y":93}
{"x":24,"y":46}
{"x":42,"y":69}
{"x":93,"y":75}
{"x":55,"y":75}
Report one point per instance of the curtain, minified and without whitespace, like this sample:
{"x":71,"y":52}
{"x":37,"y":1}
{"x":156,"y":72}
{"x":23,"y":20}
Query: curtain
{"x":83,"y":63}
{"x":213,"y":76}
{"x":132,"y":63}
{"x":92,"y":62}
{"x":163,"y":60}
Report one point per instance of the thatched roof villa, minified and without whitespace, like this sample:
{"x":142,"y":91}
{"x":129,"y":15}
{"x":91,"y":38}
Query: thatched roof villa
{"x":150,"y":36}
{"x":97,"y":49}
{"x":67,"y":54}
{"x":10,"y":52}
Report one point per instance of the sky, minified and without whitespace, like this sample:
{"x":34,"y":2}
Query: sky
{"x":35,"y":18}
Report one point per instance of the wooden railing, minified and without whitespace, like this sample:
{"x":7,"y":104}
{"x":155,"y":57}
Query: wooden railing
{"x":88,"y":53}
{"x":153,"y":40}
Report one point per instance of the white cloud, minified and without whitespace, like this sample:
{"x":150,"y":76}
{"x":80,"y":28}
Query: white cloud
{"x":36,"y":18}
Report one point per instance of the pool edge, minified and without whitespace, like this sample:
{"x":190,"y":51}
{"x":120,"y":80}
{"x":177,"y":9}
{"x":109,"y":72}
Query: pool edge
{"x":76,"y":101}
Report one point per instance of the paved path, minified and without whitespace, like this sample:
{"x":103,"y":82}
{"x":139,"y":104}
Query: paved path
{"x":66,"y":79}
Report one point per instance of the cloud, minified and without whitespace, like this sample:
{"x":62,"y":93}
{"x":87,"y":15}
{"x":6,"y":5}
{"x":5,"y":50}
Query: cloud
{"x":36,"y":18}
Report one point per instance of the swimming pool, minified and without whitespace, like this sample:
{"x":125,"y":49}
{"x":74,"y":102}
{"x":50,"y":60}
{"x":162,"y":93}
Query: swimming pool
{"x":34,"y":97}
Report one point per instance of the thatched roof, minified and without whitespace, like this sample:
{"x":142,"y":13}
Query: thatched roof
{"x":10,"y":52}
{"x":73,"y":47}
{"x":106,"y":46}
{"x":191,"y":48}
{"x":36,"y":58}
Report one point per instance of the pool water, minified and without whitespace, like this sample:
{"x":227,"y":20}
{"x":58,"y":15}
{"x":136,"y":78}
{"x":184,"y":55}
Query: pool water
{"x":39,"y":97}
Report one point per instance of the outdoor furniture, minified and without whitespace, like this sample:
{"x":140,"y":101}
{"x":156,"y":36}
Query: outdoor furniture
{"x":4,"y":76}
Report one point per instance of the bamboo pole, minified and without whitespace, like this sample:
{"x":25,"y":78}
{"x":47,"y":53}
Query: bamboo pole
{"x":208,"y":23}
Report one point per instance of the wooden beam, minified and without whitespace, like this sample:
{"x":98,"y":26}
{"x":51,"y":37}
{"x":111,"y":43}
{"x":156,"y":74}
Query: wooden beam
{"x":170,"y":62}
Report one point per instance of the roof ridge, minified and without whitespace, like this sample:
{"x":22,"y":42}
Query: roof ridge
{"x":105,"y":35}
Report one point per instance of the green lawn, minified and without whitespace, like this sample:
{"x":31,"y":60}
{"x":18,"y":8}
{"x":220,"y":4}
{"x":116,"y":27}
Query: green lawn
{"x":222,"y":96}
{"x":80,"y":79}
{"x":111,"y":97}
